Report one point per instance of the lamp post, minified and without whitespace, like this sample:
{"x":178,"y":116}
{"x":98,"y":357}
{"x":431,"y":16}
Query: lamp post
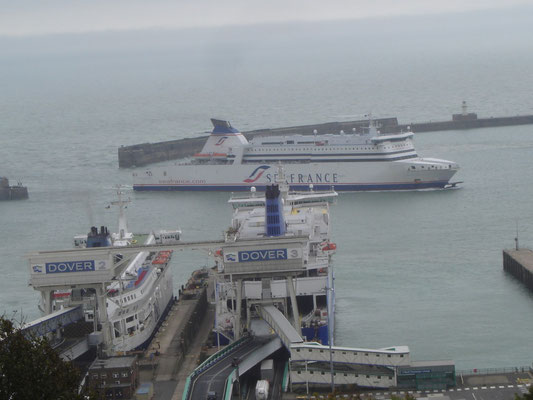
{"x":331,"y":293}
{"x":330,"y":339}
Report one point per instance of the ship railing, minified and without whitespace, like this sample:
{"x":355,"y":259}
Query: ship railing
{"x":307,"y":318}
{"x":209,"y":362}
{"x":490,"y":371}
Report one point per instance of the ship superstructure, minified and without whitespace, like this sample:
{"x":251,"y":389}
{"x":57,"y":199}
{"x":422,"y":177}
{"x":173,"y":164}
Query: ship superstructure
{"x":278,"y":253}
{"x":364,"y":160}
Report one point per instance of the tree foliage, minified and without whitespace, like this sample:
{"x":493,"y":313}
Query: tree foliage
{"x":31,"y":369}
{"x":525,"y":396}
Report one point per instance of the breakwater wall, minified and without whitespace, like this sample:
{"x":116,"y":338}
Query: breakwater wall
{"x":7,"y":192}
{"x":519,"y":263}
{"x":148,"y":153}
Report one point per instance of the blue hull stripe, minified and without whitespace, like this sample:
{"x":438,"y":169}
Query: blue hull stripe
{"x":346,"y":187}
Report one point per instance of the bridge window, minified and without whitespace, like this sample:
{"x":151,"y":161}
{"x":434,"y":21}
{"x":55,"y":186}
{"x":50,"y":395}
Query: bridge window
{"x":297,"y":350}
{"x":345,"y":374}
{"x":401,"y":355}
{"x":323,"y":373}
{"x":321,"y":351}
{"x":343,"y":352}
{"x":379,"y":376}
{"x":368,"y":377}
{"x":310,"y":350}
{"x":388,"y":355}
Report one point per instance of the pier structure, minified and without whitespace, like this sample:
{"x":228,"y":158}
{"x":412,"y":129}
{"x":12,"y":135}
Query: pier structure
{"x":519,"y":263}
{"x":15,"y":192}
{"x":142,"y":154}
{"x":261,"y":296}
{"x":87,"y":268}
{"x":258,"y":280}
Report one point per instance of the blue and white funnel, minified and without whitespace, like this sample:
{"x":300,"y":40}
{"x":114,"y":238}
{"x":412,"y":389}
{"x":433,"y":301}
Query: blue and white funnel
{"x":98,"y":239}
{"x":274,"y":220}
{"x":224,"y":137}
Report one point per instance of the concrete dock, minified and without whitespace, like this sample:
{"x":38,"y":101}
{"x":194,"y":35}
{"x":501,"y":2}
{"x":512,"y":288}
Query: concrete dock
{"x":519,"y":263}
{"x":147,"y":153}
{"x":178,"y":345}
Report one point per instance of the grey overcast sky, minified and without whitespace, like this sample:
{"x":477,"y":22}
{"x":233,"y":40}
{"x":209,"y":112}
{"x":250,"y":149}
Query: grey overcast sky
{"x":37,"y":17}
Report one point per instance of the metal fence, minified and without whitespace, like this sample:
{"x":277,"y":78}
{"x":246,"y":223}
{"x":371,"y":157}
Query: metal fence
{"x":490,"y":371}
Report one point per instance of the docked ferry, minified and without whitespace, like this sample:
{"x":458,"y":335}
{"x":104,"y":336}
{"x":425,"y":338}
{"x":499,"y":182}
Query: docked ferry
{"x":259,"y":267}
{"x":355,"y":161}
{"x":139,"y":298}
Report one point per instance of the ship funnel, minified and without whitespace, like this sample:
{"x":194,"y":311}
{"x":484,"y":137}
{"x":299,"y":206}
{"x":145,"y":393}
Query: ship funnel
{"x":224,"y":140}
{"x":98,"y":239}
{"x":274,"y":220}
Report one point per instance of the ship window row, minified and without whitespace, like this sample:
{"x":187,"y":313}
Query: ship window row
{"x":352,"y":353}
{"x":344,"y":374}
{"x":329,"y":148}
{"x":130,"y":297}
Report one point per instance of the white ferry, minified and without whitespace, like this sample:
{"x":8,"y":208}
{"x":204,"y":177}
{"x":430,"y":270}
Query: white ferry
{"x":303,"y":215}
{"x":348,"y":162}
{"x":141,"y":295}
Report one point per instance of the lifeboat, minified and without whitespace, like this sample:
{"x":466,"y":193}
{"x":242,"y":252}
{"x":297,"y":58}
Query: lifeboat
{"x":328,"y":246}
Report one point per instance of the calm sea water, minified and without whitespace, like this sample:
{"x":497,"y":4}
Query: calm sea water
{"x":422,"y":269}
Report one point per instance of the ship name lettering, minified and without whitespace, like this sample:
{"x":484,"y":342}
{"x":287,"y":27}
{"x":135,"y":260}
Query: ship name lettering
{"x":327,"y":177}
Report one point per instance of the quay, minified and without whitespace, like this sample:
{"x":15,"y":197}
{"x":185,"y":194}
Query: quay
{"x":519,"y":263}
{"x":179,"y":345}
{"x":245,"y":323}
{"x":147,"y":153}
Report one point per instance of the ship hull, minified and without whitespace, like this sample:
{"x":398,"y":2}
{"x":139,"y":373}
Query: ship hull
{"x":364,"y":176}
{"x":157,"y":301}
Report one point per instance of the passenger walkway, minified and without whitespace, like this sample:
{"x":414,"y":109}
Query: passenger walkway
{"x":53,"y":322}
{"x":279,"y":323}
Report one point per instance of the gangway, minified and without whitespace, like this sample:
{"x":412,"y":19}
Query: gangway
{"x":279,"y":323}
{"x":52,"y":323}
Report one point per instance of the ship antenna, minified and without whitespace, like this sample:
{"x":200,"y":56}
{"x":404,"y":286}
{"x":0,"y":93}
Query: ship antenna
{"x":516,"y":237}
{"x":122,"y":222}
{"x":282,"y":182}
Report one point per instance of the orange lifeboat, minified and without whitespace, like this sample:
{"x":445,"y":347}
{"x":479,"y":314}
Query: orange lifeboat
{"x":329,"y":246}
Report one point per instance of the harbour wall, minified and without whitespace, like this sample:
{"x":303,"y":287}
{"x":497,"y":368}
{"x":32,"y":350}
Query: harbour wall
{"x":12,"y":192}
{"x":519,"y":263}
{"x":148,"y":153}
